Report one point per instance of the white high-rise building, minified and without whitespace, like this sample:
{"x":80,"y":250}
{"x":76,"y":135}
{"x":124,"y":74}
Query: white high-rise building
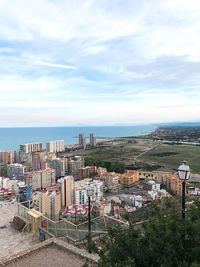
{"x":27,"y":148}
{"x":80,"y":191}
{"x":55,"y":146}
{"x":93,"y":140}
{"x":82,"y":141}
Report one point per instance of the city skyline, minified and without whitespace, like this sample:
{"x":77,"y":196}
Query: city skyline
{"x":99,"y":62}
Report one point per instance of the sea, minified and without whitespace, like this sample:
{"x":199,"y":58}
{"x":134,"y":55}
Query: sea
{"x":11,"y":138}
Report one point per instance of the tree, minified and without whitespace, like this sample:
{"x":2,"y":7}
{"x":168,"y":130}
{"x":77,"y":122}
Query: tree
{"x":165,"y":240}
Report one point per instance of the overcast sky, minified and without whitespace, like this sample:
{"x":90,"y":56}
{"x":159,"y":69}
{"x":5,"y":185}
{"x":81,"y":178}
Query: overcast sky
{"x":99,"y":62}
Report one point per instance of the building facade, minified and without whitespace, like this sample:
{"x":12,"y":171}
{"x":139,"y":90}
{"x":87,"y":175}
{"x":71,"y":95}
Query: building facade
{"x":93,"y":140}
{"x":74,"y":164}
{"x":6,"y":157}
{"x":82,"y":141}
{"x":80,"y":191}
{"x":55,"y":146}
{"x":40,"y":179}
{"x":67,"y":190}
{"x":16,"y":170}
{"x":49,"y":203}
{"x":129,"y":178}
{"x":27,"y":148}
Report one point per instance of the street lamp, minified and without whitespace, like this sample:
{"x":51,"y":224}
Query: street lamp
{"x":184,"y":174}
{"x":90,"y":192}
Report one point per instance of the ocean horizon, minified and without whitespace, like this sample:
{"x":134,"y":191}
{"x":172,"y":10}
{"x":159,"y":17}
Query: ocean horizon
{"x":11,"y":138}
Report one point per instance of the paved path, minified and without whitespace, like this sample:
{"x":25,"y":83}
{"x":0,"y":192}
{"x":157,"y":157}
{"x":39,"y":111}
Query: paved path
{"x":148,"y":151}
{"x":11,"y":240}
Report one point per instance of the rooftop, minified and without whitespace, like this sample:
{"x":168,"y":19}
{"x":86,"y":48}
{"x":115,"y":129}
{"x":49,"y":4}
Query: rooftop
{"x":49,"y":256}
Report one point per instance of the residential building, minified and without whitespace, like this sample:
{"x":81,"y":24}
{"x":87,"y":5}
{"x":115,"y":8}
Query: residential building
{"x":24,"y":193}
{"x":27,"y":148}
{"x":58,"y":165}
{"x":173,"y":184}
{"x":93,"y":140}
{"x":101,"y":171}
{"x":49,"y":203}
{"x":38,"y":160}
{"x":6,"y":157}
{"x":7,"y":183}
{"x":20,"y":156}
{"x":55,"y":146}
{"x":111,"y":181}
{"x":81,"y":191}
{"x":40,"y":179}
{"x":85,"y":172}
{"x":16,"y":170}
{"x":129,"y":178}
{"x":151,"y":185}
{"x":74,"y":164}
{"x":67,"y":190}
{"x":82,"y":141}
{"x":167,"y":179}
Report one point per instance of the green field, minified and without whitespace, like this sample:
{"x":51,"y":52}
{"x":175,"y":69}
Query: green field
{"x":170,"y":156}
{"x":166,"y":157}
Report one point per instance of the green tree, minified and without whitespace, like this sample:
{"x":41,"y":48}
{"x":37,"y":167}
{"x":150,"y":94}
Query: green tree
{"x":165,"y":240}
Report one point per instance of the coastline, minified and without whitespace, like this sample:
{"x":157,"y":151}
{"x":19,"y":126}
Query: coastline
{"x":11,"y":138}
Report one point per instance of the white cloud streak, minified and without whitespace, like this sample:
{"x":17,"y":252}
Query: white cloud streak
{"x":105,"y":61}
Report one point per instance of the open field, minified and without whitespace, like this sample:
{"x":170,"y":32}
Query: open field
{"x":145,"y":154}
{"x":170,"y":156}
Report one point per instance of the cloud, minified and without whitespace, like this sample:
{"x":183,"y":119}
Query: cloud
{"x":106,"y":61}
{"x":53,"y":65}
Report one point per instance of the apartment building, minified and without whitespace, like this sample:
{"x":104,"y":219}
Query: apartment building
{"x":67,"y":190}
{"x":55,"y":146}
{"x":74,"y":164}
{"x":80,"y":191}
{"x":49,"y":203}
{"x":167,"y":179}
{"x":93,"y":140}
{"x":16,"y":170}
{"x":59,"y":165}
{"x":40,"y":179}
{"x":6,"y":157}
{"x":38,"y":160}
{"x":129,"y":178}
{"x":85,"y":172}
{"x":111,"y":181}
{"x":27,"y":148}
{"x":82,"y":141}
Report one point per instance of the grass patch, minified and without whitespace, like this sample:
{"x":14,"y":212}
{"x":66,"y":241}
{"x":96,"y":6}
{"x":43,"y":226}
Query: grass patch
{"x":164,"y":154}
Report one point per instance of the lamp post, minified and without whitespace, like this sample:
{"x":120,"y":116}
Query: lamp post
{"x":90,"y":192}
{"x":184,"y":174}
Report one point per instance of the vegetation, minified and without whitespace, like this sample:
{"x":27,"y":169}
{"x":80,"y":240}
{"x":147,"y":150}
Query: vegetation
{"x":178,"y":133}
{"x":164,"y":154}
{"x":178,"y":154}
{"x":165,"y":240}
{"x":123,"y":155}
{"x":111,"y":166}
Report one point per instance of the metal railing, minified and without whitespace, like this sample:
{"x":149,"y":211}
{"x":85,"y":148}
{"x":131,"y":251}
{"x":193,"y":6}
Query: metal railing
{"x":65,"y":228}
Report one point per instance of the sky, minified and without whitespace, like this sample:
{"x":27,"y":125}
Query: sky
{"x":99,"y":62}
